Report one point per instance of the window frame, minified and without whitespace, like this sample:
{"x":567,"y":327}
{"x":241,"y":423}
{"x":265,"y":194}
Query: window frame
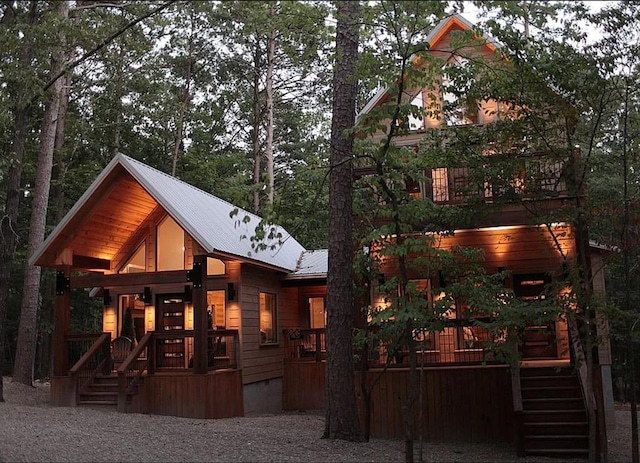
{"x":273,"y":339}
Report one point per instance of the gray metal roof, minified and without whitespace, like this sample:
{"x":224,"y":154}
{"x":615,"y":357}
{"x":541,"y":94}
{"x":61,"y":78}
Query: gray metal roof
{"x":218,"y":226}
{"x":313,"y":264}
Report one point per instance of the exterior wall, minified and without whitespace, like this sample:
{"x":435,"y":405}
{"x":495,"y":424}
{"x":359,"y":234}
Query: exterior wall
{"x":259,"y":362}
{"x":263,"y":397}
{"x":214,"y":395}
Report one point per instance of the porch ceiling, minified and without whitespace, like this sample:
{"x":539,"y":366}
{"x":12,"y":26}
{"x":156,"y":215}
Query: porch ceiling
{"x":106,"y":221}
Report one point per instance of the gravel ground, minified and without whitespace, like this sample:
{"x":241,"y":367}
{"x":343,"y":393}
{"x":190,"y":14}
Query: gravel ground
{"x":31,"y":430}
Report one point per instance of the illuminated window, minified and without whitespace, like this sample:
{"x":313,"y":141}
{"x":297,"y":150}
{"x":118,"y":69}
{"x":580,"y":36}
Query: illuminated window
{"x":268,"y":319}
{"x":170,"y":254}
{"x":317,"y":314}
{"x":137,"y":262}
{"x":215,"y":266}
{"x":417,"y":123}
{"x":216,"y":309}
{"x":455,"y":86}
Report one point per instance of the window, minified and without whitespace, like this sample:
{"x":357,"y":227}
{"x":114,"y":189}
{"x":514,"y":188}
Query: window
{"x":216,"y":309}
{"x":268,"y":319}
{"x":170,"y":255}
{"x":317,"y":314}
{"x":455,"y":86}
{"x":137,"y":262}
{"x":215,"y":266}
{"x":417,"y":123}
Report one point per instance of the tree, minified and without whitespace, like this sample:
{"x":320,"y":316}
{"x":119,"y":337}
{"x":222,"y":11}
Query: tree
{"x":341,"y":415}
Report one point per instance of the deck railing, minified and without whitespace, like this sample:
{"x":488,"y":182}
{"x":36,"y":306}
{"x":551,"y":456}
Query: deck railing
{"x":462,"y":341}
{"x":130,"y":372}
{"x":305,"y":344}
{"x":173,"y":350}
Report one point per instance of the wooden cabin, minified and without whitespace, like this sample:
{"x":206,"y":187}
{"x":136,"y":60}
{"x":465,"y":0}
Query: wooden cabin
{"x":467,"y":394}
{"x":194,"y":306}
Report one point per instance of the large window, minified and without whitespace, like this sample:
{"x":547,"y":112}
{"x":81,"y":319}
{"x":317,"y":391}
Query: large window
{"x":268,"y":319}
{"x":170,"y":255}
{"x":216,"y":309}
{"x":137,"y":262}
{"x":317,"y":314}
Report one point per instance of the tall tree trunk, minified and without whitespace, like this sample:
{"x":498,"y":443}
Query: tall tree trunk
{"x":8,"y":232}
{"x":255,"y":132}
{"x":268,"y":148}
{"x":25,"y":351}
{"x":341,"y":415}
{"x":184,"y":106}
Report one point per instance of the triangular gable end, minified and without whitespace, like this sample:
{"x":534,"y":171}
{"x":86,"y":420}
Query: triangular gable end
{"x":435,"y":37}
{"x":207,"y":219}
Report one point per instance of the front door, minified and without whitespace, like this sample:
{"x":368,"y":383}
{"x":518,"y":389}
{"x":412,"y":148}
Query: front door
{"x":538,"y":340}
{"x":171,"y":350}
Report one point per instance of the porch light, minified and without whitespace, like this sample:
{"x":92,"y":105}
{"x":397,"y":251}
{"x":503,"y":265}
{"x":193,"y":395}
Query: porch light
{"x":231,"y":291}
{"x":106,"y":297}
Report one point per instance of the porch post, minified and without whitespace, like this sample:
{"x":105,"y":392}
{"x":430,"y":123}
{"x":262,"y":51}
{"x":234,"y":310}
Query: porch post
{"x":61,"y":318}
{"x":200,"y":320}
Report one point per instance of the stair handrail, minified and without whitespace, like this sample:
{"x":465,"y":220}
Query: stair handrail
{"x":103,"y":343}
{"x":576,"y":345}
{"x":126,"y":383}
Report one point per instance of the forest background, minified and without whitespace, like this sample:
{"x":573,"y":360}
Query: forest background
{"x":235,"y":97}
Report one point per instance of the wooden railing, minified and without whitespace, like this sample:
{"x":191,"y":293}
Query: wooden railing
{"x":223,"y":348}
{"x":96,"y":359}
{"x":131,"y":370}
{"x":462,"y":341}
{"x":305,"y":344}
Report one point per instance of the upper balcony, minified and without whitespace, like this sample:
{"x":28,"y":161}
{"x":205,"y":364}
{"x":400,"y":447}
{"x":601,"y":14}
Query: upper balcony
{"x":510,"y":191}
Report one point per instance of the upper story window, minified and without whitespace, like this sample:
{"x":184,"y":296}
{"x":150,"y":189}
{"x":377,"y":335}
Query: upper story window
{"x":137,"y":262}
{"x":216,"y":266}
{"x":456,"y":84}
{"x":416,"y":122}
{"x":170,"y":247}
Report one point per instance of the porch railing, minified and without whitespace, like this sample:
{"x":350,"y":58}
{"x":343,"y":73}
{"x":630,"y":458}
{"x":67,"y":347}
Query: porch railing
{"x":462,"y":341}
{"x":95,"y":359}
{"x":305,"y":344}
{"x":173,"y":350}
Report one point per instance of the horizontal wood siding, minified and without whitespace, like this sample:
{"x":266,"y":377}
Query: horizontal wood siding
{"x":303,"y":386}
{"x":214,"y":395}
{"x":259,"y":363}
{"x":460,"y":404}
{"x":288,"y":308}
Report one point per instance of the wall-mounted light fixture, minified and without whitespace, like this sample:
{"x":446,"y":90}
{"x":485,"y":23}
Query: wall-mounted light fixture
{"x":188,"y":295}
{"x":381,"y":279}
{"x":146,"y":295}
{"x":106,"y":297}
{"x":231,"y":291}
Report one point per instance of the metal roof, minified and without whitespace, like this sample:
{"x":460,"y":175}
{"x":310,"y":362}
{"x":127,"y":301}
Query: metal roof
{"x":312,"y":264}
{"x":218,"y":226}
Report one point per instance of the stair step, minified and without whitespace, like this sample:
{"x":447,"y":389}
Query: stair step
{"x":553,"y":403}
{"x":545,"y":416}
{"x":548,"y":428}
{"x":556,"y":442}
{"x":558,"y":452}
{"x":97,"y":402}
{"x":534,"y":392}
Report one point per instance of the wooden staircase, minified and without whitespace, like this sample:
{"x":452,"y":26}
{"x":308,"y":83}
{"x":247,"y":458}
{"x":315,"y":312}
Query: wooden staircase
{"x":553,"y":413}
{"x":102,"y":391}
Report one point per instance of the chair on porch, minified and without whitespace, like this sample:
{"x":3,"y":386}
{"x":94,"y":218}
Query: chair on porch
{"x":120,"y":349}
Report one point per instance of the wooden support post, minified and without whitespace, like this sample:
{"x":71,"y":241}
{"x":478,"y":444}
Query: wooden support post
{"x":200,"y":319}
{"x":61,"y":318}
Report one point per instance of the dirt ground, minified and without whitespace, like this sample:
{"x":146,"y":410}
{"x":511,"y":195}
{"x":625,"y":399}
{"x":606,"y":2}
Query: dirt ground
{"x":32,"y":430}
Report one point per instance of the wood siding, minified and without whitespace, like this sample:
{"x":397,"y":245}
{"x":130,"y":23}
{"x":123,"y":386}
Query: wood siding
{"x":303,"y":386}
{"x":259,"y":362}
{"x":214,"y":395}
{"x":460,"y":404}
